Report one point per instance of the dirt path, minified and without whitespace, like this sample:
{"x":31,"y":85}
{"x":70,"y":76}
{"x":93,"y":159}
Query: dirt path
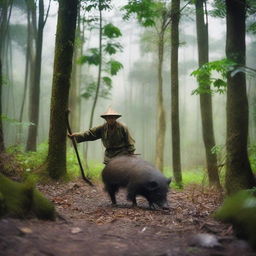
{"x":89,"y":225}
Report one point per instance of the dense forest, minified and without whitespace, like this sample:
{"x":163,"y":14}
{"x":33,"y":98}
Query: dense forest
{"x":182,"y":73}
{"x":138,"y":58}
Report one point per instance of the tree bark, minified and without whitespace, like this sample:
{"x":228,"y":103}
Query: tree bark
{"x":239,"y":174}
{"x":34,"y":99}
{"x":206,"y":98}
{"x":161,"y":123}
{"x":64,"y":44}
{"x":28,"y":58}
{"x":74,"y":98}
{"x":5,"y":13}
{"x":99,"y":68}
{"x":2,"y":147}
{"x":176,"y":158}
{"x":98,"y":83}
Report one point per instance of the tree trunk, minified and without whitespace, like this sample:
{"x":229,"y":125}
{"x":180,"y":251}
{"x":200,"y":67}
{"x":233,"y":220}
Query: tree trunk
{"x":34,"y":100}
{"x":99,"y":69}
{"x":2,"y":148}
{"x":5,"y":13}
{"x":28,"y":58}
{"x":239,"y":174}
{"x":98,"y":82}
{"x":74,"y":98}
{"x":206,"y":98}
{"x":175,"y":15}
{"x":64,"y":44}
{"x":161,"y":124}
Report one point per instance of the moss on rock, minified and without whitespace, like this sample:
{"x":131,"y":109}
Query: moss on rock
{"x":22,"y":199}
{"x":42,"y":207}
{"x":240,"y":211}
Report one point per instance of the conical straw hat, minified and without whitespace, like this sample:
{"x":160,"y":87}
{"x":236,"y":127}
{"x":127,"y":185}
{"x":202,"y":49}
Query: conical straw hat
{"x":110,"y":112}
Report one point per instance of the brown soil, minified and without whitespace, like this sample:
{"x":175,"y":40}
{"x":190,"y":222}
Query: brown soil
{"x":88,"y":225}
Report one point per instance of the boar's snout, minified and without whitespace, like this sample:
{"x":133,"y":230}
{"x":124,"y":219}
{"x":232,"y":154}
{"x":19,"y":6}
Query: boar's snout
{"x":165,"y":206}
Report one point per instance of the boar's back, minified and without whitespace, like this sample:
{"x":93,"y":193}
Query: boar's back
{"x":125,"y":169}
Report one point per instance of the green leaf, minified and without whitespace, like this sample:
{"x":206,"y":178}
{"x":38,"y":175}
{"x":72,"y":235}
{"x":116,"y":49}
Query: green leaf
{"x":15,"y":122}
{"x":146,"y":11}
{"x":115,"y":66}
{"x":218,"y":83}
{"x":91,"y":6}
{"x":112,"y":48}
{"x":218,"y":9}
{"x":92,"y":59}
{"x":203,"y":75}
{"x":107,"y":80}
{"x":97,"y":4}
{"x":89,"y":90}
{"x":111,"y":31}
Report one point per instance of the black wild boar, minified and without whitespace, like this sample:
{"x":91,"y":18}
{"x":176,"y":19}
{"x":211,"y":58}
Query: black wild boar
{"x":140,"y":178}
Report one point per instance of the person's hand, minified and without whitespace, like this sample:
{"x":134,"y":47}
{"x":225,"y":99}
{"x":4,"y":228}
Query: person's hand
{"x":71,"y":135}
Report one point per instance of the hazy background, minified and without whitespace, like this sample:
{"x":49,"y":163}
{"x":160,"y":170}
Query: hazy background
{"x":134,"y":88}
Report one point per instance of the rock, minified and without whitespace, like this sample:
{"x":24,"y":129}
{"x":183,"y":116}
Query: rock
{"x":204,"y":240}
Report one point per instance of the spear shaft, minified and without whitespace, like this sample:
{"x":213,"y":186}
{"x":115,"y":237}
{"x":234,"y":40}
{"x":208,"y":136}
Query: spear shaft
{"x":77,"y":154}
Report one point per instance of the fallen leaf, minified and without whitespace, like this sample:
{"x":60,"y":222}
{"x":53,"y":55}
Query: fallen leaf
{"x":76,"y":230}
{"x":26,"y":230}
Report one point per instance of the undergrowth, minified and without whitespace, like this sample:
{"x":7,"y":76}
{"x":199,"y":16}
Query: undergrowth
{"x":32,"y":160}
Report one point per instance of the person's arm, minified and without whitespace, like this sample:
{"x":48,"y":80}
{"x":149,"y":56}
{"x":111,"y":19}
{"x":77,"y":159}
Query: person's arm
{"x":89,"y":135}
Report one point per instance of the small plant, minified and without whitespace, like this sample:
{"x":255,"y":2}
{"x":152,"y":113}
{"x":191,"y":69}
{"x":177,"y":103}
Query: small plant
{"x":252,"y":157}
{"x":73,"y":169}
{"x":205,"y":79}
{"x":196,"y":176}
{"x":29,"y":160}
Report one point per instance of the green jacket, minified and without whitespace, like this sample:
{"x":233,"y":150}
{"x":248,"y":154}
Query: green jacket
{"x":116,"y":140}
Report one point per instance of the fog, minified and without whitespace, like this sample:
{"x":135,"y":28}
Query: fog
{"x":134,"y":88}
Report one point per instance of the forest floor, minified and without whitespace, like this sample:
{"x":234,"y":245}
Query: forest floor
{"x":89,"y":225}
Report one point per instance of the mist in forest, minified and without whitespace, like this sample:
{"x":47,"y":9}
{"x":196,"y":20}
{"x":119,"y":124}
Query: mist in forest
{"x":134,"y":88}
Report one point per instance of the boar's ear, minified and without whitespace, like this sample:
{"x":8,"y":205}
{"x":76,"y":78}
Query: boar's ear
{"x":169,"y":181}
{"x":152,"y":185}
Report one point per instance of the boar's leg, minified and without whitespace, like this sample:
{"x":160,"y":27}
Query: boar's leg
{"x":131,"y":195}
{"x":151,"y":205}
{"x":112,"y":189}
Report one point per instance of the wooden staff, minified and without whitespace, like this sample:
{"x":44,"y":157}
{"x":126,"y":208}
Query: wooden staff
{"x":77,"y":155}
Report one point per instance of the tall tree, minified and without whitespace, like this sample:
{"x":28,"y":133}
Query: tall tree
{"x":161,"y":119}
{"x":206,"y":98}
{"x":5,"y":13}
{"x":239,"y":174}
{"x":26,"y":69}
{"x":175,"y":17}
{"x":74,"y":97}
{"x":1,"y":123}
{"x":107,"y":45}
{"x":64,"y":44}
{"x":34,"y":99}
{"x":97,"y":56}
{"x":155,"y":13}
